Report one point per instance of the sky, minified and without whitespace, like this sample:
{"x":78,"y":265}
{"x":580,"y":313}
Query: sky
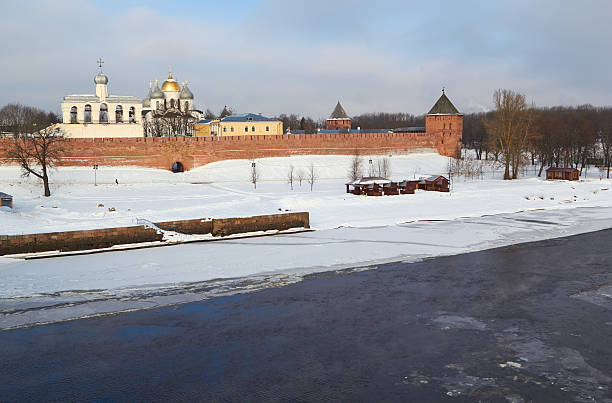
{"x":283,"y":56}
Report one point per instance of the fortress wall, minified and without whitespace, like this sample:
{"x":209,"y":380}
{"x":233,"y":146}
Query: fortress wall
{"x":196,"y":151}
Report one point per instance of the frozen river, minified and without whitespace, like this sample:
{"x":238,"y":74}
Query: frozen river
{"x":528,"y":322}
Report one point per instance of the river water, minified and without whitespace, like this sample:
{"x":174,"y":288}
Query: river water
{"x":530,"y":322}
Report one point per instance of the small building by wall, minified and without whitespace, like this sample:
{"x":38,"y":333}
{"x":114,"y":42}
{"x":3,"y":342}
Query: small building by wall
{"x":568,"y":174}
{"x":248,"y":124}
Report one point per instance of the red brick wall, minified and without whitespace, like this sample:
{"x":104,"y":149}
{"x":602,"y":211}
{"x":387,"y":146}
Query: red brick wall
{"x":228,"y":226}
{"x":197,"y":151}
{"x":447,"y":131}
{"x":106,"y":237}
{"x":335,"y":124}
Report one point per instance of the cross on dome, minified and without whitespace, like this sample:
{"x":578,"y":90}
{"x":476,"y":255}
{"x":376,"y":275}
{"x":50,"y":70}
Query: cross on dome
{"x":100,"y":61}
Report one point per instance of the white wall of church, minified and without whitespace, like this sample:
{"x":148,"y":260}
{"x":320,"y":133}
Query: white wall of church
{"x":101,"y":130}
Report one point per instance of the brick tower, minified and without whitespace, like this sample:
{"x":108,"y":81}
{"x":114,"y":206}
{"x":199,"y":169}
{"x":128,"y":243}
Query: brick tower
{"x":445,"y":124}
{"x":338,"y":120}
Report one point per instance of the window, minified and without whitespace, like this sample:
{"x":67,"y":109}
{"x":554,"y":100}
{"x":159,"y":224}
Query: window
{"x":267,"y":128}
{"x":132,"y":115}
{"x":225,"y":129}
{"x":73,"y":114}
{"x":232,"y":129}
{"x":444,"y":126}
{"x":103,"y":113}
{"x":246,"y":128}
{"x":450,"y":126}
{"x":253,"y":128}
{"x":119,"y":114}
{"x":87,"y":116}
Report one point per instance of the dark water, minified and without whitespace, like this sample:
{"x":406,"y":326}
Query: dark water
{"x":531,"y":322}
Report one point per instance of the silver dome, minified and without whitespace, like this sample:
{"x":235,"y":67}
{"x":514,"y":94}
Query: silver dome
{"x":100,"y":79}
{"x":185,"y":93}
{"x":157,"y":93}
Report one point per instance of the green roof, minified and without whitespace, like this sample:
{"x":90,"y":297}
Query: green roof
{"x":443,"y":107}
{"x":338,"y":113}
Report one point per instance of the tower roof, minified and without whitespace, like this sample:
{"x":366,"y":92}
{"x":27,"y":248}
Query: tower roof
{"x":339,"y":112}
{"x":443,"y":107}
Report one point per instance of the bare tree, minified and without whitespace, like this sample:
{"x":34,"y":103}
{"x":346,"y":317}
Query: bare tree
{"x":508,"y":127}
{"x":37,"y":153}
{"x":300,"y":176}
{"x":383,"y":167}
{"x":312,"y":176}
{"x":291,"y":175}
{"x":254,"y":174}
{"x":355,"y":171}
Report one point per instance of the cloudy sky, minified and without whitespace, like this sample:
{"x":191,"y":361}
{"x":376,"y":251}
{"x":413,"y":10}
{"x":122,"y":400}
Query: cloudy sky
{"x":285,"y":56}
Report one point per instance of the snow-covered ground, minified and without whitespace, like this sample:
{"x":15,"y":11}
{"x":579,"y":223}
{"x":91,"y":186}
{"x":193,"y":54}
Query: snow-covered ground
{"x":222,"y":190}
{"x":352,"y":231}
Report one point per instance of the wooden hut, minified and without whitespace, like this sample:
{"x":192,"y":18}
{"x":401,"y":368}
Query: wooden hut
{"x":371,"y":186}
{"x":436,"y":183}
{"x":6,"y":200}
{"x":408,"y":186}
{"x":568,"y":174}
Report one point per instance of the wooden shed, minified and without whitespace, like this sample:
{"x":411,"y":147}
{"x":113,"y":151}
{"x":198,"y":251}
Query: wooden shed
{"x":6,"y":200}
{"x":568,"y":174}
{"x":436,"y":183}
{"x":371,"y":186}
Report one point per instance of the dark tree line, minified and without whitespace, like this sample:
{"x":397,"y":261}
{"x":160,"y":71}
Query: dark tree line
{"x":19,"y":119}
{"x":36,"y":146}
{"x":567,"y":136}
{"x":385,"y":120}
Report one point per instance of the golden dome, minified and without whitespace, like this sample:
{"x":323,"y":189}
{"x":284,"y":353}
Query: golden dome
{"x":170,"y":84}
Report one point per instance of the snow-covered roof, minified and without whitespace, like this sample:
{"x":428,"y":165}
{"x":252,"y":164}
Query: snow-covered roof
{"x":371,"y":180}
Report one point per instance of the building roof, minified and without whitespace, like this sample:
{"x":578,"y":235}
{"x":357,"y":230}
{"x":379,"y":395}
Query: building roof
{"x":443,"y":107}
{"x":5,"y":196}
{"x":203,"y":121}
{"x":94,"y":98}
{"x":247,"y":117}
{"x":419,"y":129}
{"x":561,"y":169}
{"x":325,"y":131}
{"x":370,"y":180}
{"x":338,"y":113}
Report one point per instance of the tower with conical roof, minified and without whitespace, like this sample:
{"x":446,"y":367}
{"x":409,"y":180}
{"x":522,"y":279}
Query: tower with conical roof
{"x":445,"y":124}
{"x":338,"y":120}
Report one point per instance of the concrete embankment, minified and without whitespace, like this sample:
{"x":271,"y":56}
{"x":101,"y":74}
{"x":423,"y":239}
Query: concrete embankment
{"x":107,"y":237}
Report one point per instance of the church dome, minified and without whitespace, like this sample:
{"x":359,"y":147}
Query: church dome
{"x":170,"y":84}
{"x":157,"y":94}
{"x":147,"y":101}
{"x":100,"y":79}
{"x":185,"y":92}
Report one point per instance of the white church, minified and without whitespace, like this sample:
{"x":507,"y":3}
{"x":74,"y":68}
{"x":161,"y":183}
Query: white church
{"x":102,"y":115}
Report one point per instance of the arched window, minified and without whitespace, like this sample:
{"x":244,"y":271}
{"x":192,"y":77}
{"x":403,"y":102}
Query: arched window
{"x":157,"y":106}
{"x":119,"y":114}
{"x":253,"y":128}
{"x":232,"y":129}
{"x":186,"y":105}
{"x":246,"y":128}
{"x":172,"y":103}
{"x":225,"y":129}
{"x":267,"y":128}
{"x":450,"y":126}
{"x":87,"y":115}
{"x":73,"y":114}
{"x":132,"y":115}
{"x":103,"y":113}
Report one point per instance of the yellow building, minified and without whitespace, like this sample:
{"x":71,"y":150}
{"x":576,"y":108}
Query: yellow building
{"x":248,"y":124}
